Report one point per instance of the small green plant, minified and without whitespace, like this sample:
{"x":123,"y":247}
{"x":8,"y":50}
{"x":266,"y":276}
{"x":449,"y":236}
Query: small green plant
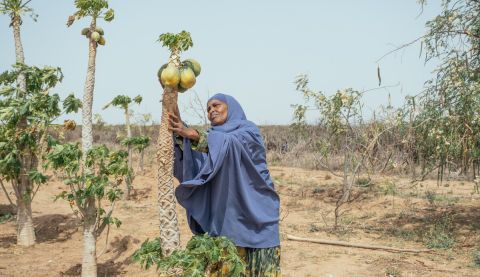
{"x":476,"y":258}
{"x":5,"y":217}
{"x":440,"y":234}
{"x":431,"y":196}
{"x":202,"y":254}
{"x":392,"y":272}
{"x":364,"y":182}
{"x":390,"y":188}
{"x":314,"y":228}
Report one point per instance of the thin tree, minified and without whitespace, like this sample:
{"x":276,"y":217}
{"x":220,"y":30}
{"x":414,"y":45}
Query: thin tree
{"x":15,"y":9}
{"x":169,"y":232}
{"x":123,"y":102}
{"x":94,"y":9}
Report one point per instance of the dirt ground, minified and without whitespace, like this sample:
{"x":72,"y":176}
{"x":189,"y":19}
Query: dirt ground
{"x":388,"y":211}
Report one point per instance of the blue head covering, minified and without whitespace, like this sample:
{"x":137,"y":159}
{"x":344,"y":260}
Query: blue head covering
{"x":229,"y":192}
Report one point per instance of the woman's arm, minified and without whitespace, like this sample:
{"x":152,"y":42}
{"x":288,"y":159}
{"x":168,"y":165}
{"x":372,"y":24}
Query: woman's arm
{"x":176,"y":126}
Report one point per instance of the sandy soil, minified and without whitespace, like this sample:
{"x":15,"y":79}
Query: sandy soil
{"x":389,"y":212}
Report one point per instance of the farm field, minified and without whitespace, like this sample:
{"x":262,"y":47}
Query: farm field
{"x":388,"y":212}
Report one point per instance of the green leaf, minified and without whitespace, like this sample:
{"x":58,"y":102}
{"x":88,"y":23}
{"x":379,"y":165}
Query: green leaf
{"x":109,"y":15}
{"x":72,"y":104}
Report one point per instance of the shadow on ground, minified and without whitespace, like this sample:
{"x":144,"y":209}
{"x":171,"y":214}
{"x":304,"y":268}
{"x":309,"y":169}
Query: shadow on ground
{"x":111,"y":267}
{"x":55,"y":227}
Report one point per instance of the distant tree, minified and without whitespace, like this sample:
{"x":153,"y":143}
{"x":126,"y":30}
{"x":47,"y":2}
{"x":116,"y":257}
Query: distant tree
{"x":139,"y":143}
{"x":123,"y":102}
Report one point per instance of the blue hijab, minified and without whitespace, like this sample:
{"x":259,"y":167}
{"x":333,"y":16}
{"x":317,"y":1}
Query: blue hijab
{"x":229,"y":192}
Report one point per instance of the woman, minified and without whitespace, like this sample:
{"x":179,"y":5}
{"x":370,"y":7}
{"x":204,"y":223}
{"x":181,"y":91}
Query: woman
{"x":225,"y":185}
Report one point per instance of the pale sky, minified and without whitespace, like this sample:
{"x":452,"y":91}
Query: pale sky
{"x":251,"y":50}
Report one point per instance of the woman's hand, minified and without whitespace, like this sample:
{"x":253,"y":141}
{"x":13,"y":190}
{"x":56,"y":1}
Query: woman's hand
{"x":176,"y":126}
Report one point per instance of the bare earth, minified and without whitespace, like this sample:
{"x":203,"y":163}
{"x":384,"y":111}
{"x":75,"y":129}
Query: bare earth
{"x":391,"y":212}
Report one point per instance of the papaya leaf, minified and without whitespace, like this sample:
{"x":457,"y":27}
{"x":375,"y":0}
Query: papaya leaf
{"x":72,"y":104}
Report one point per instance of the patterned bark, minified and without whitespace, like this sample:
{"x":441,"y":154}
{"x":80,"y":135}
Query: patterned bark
{"x":169,"y":232}
{"x":89,"y":263}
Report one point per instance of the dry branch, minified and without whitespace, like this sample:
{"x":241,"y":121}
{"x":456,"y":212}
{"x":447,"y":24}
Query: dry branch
{"x":357,"y":245}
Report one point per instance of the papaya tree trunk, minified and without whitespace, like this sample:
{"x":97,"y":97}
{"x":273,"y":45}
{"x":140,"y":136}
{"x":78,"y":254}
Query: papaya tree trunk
{"x":129,"y":180}
{"x":169,"y":232}
{"x":89,"y":263}
{"x":87,"y":134}
{"x":19,"y":55}
{"x":25,"y":229}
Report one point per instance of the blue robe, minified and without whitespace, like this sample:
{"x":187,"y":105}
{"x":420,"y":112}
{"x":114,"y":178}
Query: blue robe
{"x":229,"y":191}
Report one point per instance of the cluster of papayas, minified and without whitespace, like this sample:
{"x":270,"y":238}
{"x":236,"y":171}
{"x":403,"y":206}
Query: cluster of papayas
{"x":181,"y":78}
{"x":96,"y":35}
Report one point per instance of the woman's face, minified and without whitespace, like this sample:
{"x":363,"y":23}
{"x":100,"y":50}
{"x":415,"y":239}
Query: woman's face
{"x":217,"y":112}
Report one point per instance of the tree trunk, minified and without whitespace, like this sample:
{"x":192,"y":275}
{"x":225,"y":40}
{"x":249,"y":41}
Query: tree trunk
{"x":89,"y":263}
{"x":142,"y":168}
{"x":169,"y":232}
{"x":87,"y":134}
{"x":129,"y":180}
{"x":19,"y":55}
{"x":25,"y":230}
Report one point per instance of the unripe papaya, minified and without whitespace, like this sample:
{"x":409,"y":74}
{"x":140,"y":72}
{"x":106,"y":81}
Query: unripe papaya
{"x":181,"y":89}
{"x":194,"y":65}
{"x":159,"y":74}
{"x":101,"y":41}
{"x":95,"y":36}
{"x":99,"y":30}
{"x":187,"y":77}
{"x":170,"y":76}
{"x":85,"y":31}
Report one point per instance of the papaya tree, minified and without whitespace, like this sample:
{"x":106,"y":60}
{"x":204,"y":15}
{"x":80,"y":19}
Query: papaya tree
{"x":107,"y":170}
{"x":139,"y":143}
{"x":25,"y":114}
{"x":93,"y":9}
{"x":123,"y":102}
{"x":15,"y":9}
{"x":170,"y":77}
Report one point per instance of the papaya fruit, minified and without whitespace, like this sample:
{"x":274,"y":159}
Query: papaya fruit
{"x":187,"y":77}
{"x":182,"y":89}
{"x":95,"y":36}
{"x":101,"y":41}
{"x":85,"y":31}
{"x":170,"y":76}
{"x":99,"y":30}
{"x":194,"y":65}
{"x":159,"y":74}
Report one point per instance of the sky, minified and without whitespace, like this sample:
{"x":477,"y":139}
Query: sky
{"x":252,"y":50}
